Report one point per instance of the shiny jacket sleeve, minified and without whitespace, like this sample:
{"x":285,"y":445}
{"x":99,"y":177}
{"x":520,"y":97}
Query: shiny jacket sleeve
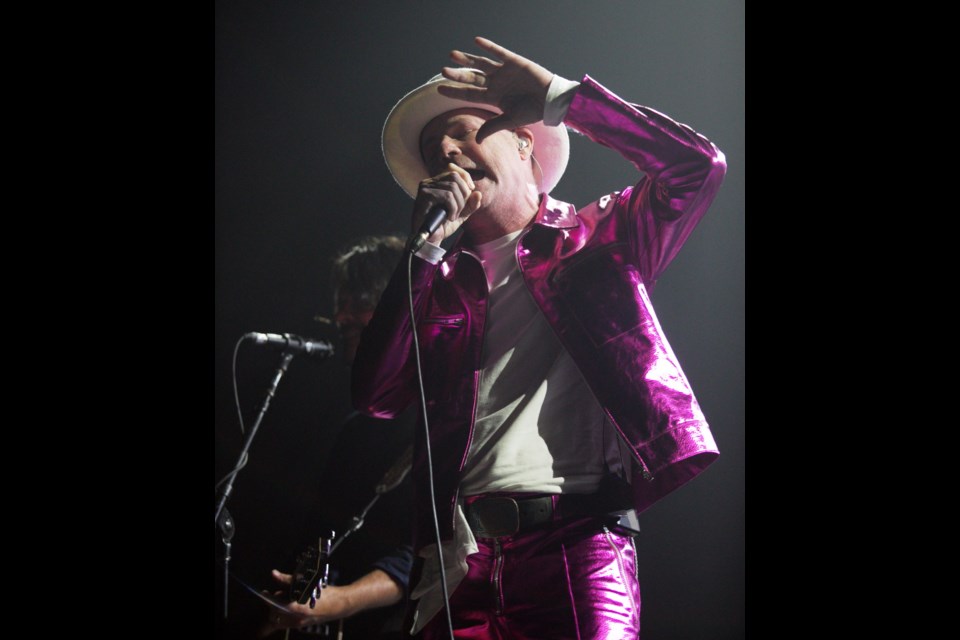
{"x":682,"y":171}
{"x":382,"y":382}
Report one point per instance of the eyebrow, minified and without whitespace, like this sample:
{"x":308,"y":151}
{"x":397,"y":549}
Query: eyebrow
{"x":446,"y":130}
{"x":453,"y":126}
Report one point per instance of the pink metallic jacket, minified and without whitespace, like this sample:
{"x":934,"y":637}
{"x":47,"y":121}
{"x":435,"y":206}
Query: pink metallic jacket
{"x":589,"y":271}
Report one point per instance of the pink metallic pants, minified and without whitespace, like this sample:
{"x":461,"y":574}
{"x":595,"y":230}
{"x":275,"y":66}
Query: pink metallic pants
{"x":574,"y":580}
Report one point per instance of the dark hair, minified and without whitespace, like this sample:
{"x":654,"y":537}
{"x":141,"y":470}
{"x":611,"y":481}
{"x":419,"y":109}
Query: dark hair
{"x":364,"y":267}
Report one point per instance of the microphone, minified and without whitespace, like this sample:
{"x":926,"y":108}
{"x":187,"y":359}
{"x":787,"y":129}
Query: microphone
{"x":296,"y":344}
{"x":430,"y":224}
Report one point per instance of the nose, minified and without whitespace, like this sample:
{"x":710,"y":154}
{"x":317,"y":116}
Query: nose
{"x":449,"y":148}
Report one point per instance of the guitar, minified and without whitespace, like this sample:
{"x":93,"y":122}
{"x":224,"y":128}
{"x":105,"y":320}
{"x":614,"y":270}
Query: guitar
{"x":312,"y":570}
{"x":309,"y":579}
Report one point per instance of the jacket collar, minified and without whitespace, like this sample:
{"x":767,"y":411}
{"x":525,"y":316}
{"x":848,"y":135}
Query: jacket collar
{"x":556,"y":214}
{"x":552,"y":213}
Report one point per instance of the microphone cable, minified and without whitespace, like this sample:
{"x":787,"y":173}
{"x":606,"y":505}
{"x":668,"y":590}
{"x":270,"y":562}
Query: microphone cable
{"x":236,"y":399}
{"x":426,"y":429}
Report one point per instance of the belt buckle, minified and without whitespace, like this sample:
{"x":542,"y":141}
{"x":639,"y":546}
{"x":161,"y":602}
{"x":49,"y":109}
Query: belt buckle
{"x":495,"y":517}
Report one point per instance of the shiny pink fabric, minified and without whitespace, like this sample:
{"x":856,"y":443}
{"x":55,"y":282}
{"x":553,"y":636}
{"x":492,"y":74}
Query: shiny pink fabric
{"x":575,"y":581}
{"x":590,"y":270}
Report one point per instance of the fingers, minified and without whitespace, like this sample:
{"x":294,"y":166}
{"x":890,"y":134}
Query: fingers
{"x":456,"y":176}
{"x":449,"y":189}
{"x":282,"y":578}
{"x":454,"y":191}
{"x":472,"y":204}
{"x":471,"y":94}
{"x":455,"y":181}
{"x":467,"y":188}
{"x":478,"y":62}
{"x":493,"y":47}
{"x":466,"y":76}
{"x":459,"y":185}
{"x":462,"y":174}
{"x":491,"y":126}
{"x":483,"y":64}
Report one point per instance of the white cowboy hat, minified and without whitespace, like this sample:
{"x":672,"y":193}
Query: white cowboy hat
{"x":401,"y":136}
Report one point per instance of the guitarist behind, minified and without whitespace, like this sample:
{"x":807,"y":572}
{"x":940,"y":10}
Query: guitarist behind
{"x":369,"y":572}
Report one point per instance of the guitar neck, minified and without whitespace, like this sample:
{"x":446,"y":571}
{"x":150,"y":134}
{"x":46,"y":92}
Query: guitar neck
{"x":312,"y":572}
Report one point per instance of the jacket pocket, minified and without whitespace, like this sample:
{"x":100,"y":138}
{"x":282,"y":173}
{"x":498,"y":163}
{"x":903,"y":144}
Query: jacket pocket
{"x":452,"y":322}
{"x":442,"y":336}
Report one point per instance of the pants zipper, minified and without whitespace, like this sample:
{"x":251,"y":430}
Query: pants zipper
{"x":497,"y":575}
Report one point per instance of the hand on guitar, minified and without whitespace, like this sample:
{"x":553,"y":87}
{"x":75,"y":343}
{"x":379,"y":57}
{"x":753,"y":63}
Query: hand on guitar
{"x":299,"y":615}
{"x":304,"y":587}
{"x":375,"y":589}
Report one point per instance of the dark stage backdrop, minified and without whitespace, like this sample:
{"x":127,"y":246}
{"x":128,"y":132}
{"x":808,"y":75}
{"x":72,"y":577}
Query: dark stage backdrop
{"x":301,"y":92}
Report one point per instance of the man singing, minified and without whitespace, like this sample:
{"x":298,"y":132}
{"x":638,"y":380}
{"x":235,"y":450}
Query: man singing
{"x":555,"y":406}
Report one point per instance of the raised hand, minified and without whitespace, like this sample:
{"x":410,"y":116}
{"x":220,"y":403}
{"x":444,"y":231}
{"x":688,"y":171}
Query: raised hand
{"x":516,"y":85}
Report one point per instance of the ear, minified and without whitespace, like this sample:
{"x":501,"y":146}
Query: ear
{"x":524,"y":141}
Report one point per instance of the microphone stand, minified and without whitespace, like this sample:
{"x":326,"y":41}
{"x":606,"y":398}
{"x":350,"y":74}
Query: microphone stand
{"x":222,"y":517}
{"x":225,"y":522}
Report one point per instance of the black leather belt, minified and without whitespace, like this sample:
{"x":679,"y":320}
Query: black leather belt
{"x":496,"y":516}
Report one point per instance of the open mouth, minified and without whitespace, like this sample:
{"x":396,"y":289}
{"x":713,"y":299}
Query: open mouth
{"x":477,"y":174}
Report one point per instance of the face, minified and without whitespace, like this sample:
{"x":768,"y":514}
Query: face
{"x":498,"y":167}
{"x":351,"y":314}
